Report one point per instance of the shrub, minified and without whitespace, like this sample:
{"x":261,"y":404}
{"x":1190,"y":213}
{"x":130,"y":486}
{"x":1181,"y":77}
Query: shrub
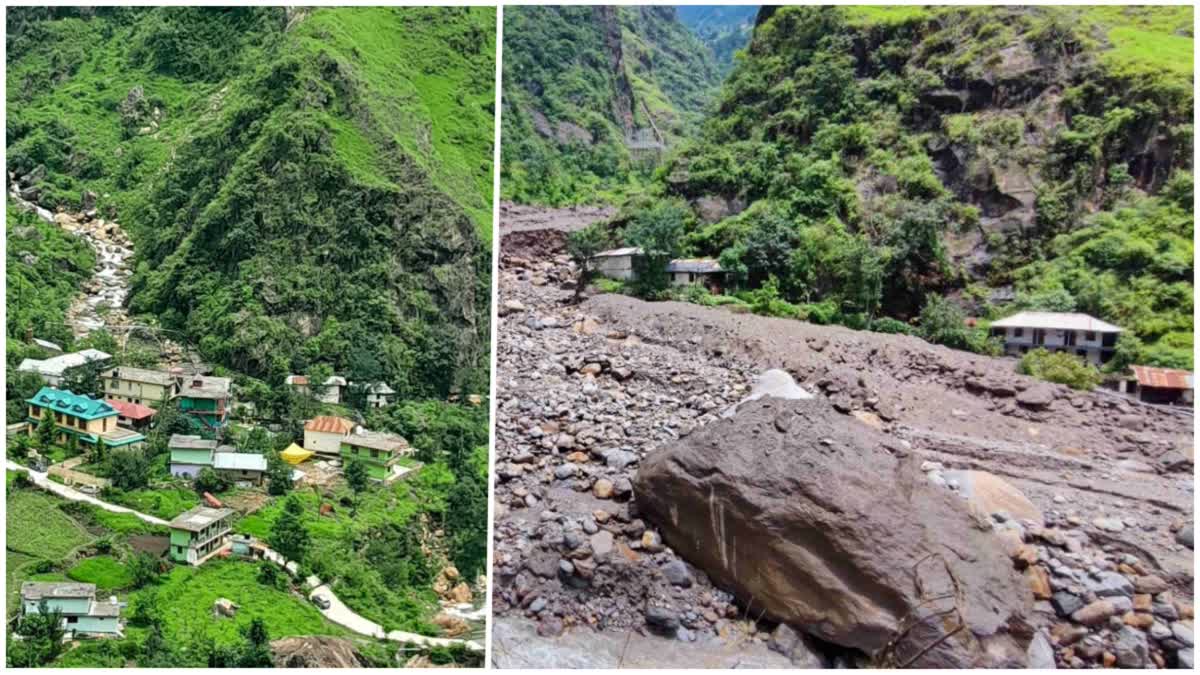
{"x":886,"y":324}
{"x":1061,"y":367}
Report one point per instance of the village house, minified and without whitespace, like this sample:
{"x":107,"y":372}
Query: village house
{"x":379,"y":395}
{"x":132,"y":415}
{"x":52,"y":347}
{"x":617,"y":263}
{"x":324,"y":434}
{"x":82,"y":614}
{"x":331,"y":389}
{"x":297,"y":383}
{"x":205,"y":400}
{"x":704,"y":271}
{"x":54,"y":369}
{"x":1160,"y":385}
{"x":1088,"y":337}
{"x":378,"y":452}
{"x":139,"y":385}
{"x":191,"y":454}
{"x":199,"y":533}
{"x":91,"y":421}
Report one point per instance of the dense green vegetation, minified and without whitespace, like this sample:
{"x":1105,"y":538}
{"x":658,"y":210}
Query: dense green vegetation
{"x":44,"y":269}
{"x":303,"y":186}
{"x":863,"y":163}
{"x":724,"y":29}
{"x":592,"y":95}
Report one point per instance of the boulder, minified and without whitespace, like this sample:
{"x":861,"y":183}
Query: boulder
{"x":806,"y":513}
{"x":988,"y":493}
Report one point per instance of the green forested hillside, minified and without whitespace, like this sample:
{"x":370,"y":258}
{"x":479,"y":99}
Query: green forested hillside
{"x":870,"y":159}
{"x":303,"y":186}
{"x":723,"y":28}
{"x":593,"y":96}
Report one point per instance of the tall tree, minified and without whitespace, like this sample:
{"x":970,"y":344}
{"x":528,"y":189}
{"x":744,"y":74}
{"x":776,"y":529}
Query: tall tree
{"x":289,"y":536}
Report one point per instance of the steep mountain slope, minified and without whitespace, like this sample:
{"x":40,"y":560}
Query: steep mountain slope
{"x":870,"y":158}
{"x":593,"y":95}
{"x":724,"y":28}
{"x":304,"y":186}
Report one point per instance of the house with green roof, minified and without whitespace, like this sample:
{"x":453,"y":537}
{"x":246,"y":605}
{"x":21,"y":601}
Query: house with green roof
{"x":90,"y":420}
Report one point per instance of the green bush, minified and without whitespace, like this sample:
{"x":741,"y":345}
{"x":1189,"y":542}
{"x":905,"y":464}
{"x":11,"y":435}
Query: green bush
{"x":1061,"y":367}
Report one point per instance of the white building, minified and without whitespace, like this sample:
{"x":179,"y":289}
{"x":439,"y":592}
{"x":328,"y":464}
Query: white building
{"x":1084,"y":335}
{"x":53,"y":369}
{"x":616,"y":263}
{"x":379,"y":395}
{"x":331,"y":389}
{"x":324,"y":434}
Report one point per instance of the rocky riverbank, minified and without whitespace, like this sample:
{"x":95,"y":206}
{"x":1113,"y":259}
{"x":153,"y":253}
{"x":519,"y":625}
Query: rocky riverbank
{"x":588,"y":391}
{"x":101,"y":303}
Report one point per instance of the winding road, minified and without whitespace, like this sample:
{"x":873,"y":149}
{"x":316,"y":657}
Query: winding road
{"x":337,"y":612}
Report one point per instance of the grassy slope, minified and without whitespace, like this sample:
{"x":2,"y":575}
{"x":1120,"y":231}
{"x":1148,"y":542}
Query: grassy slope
{"x":435,"y":102}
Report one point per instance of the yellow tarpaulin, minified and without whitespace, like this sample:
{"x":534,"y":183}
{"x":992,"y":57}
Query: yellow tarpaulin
{"x":295,"y":454}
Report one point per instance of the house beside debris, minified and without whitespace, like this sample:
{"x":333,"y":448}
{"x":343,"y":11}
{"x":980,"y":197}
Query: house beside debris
{"x":1086,"y":336}
{"x":82,"y":614}
{"x":331,"y":389}
{"x":704,"y":271}
{"x":324,"y":434}
{"x":240,"y":467}
{"x":132,"y":415}
{"x":617,"y":263}
{"x":199,"y":533}
{"x":54,"y":369}
{"x":139,"y":385}
{"x":1160,"y":385}
{"x":91,"y":421}
{"x":205,"y":401}
{"x":378,"y":451}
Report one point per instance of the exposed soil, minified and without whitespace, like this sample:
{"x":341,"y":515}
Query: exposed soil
{"x":522,"y":218}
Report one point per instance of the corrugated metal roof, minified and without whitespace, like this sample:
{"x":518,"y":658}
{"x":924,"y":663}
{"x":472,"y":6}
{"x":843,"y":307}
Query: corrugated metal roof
{"x":239,"y":461}
{"x":57,"y":365}
{"x":134,"y":411}
{"x":294,"y":380}
{"x":614,"y":252}
{"x":203,"y":386}
{"x":329,"y":424}
{"x":1056,"y":321}
{"x":1162,"y":378}
{"x":158,"y":377}
{"x":377,"y":440}
{"x":700,"y":265}
{"x":186,"y":442}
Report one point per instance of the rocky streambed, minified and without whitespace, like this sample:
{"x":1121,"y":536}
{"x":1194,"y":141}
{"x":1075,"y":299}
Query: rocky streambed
{"x":101,"y":302}
{"x":1099,"y":539}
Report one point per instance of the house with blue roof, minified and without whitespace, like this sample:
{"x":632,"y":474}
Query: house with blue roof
{"x":91,"y":420}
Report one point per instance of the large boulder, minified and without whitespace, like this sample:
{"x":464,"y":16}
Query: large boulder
{"x":828,"y":525}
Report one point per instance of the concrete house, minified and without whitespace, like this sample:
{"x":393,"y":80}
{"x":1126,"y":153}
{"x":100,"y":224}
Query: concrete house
{"x":91,"y":421}
{"x":54,"y":369}
{"x":379,"y":395}
{"x":1088,"y":337}
{"x":324,"y":434}
{"x":199,"y":533}
{"x":379,"y":452}
{"x":132,"y":415}
{"x":704,"y":271}
{"x":205,"y":400}
{"x":617,"y":263}
{"x":297,"y":383}
{"x":82,"y":613}
{"x":331,"y":389}
{"x":190,"y":454}
{"x":139,"y":385}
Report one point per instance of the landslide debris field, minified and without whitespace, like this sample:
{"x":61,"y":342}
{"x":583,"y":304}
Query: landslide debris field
{"x":1085,"y":498}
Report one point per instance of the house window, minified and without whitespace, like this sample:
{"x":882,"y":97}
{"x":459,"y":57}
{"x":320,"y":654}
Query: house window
{"x":1018,"y":332}
{"x":1090,"y":336}
{"x":374,"y":453}
{"x":72,"y":619}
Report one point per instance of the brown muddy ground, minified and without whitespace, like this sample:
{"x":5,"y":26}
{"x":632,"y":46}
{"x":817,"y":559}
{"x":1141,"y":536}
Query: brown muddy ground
{"x":524,"y":218}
